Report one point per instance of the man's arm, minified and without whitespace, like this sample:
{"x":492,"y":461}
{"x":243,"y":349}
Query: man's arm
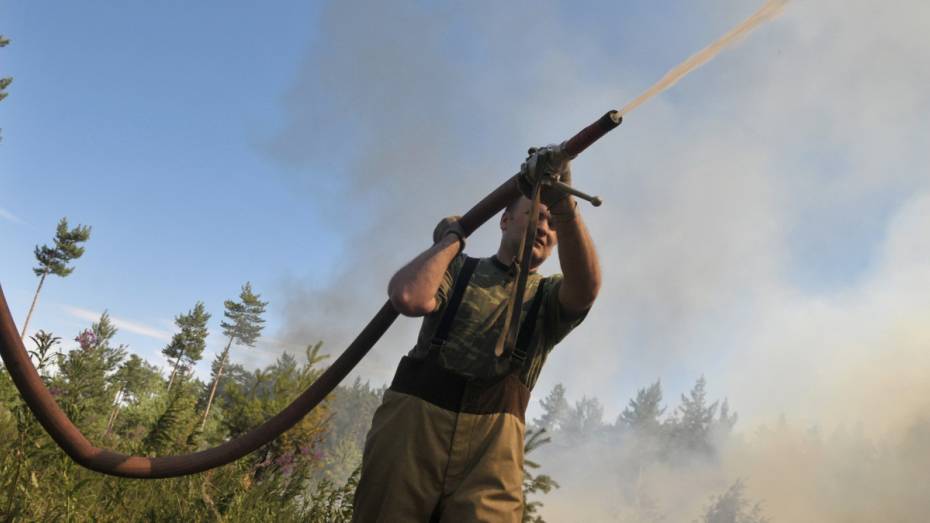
{"x":412,"y":289}
{"x":581,"y":270}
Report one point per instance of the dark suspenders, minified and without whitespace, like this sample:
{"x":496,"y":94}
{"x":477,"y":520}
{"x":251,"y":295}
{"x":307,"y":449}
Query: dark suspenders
{"x":526,"y":330}
{"x":455,"y":299}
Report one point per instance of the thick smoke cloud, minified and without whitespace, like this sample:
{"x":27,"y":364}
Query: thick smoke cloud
{"x":766,"y":220}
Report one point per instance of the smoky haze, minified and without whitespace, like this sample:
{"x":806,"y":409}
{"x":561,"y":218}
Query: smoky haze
{"x":766,"y":220}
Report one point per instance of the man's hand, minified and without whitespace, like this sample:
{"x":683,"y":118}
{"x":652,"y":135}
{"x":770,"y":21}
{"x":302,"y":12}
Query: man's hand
{"x":450,"y":225}
{"x":550,"y":162}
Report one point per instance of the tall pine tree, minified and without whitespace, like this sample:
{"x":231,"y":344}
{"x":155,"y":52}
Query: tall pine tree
{"x":244,"y":327}
{"x":186,"y":347}
{"x":4,"y":81}
{"x":691,"y":426}
{"x":644,"y":411}
{"x":54,"y":260}
{"x":555,"y":409}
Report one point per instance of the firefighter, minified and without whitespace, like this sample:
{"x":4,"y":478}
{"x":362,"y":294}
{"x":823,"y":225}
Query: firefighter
{"x":446,"y":443}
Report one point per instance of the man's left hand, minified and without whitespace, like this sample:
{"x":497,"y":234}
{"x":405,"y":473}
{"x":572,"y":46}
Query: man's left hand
{"x":549,"y":162}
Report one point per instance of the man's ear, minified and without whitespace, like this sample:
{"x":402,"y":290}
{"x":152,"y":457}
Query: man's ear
{"x":505,"y":219}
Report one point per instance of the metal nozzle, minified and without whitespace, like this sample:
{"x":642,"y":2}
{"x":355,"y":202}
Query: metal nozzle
{"x":593,"y":200}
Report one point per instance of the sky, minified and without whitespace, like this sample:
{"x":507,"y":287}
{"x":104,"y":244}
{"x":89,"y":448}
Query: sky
{"x":766,"y":220}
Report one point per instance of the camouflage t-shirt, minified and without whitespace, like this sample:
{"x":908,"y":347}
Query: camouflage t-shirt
{"x":469,"y":350}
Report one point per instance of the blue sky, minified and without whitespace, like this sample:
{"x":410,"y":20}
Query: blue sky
{"x":142,"y":121}
{"x":310,"y":147}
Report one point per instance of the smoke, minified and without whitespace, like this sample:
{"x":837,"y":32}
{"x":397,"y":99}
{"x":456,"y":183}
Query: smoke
{"x":765,"y":221}
{"x":386,"y":135}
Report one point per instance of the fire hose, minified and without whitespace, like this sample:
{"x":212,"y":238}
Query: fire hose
{"x":42,"y":404}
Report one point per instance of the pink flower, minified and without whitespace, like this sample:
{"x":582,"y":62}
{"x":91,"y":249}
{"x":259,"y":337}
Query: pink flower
{"x":86,"y":339}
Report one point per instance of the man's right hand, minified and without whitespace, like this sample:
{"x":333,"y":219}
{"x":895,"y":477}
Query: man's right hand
{"x":450,"y":225}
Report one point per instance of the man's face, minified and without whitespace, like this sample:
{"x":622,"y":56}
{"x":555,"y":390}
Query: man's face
{"x":514,"y":223}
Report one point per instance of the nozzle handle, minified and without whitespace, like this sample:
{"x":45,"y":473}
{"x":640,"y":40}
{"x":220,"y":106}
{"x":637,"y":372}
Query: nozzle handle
{"x":592,"y":133}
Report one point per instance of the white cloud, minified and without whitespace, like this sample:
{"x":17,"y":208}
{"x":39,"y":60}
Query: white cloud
{"x":120,"y":323}
{"x":7,"y":215}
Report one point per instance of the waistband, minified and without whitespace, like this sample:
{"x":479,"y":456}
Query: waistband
{"x":429,"y":381}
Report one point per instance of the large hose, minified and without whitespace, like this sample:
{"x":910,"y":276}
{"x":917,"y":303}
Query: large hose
{"x":73,"y":442}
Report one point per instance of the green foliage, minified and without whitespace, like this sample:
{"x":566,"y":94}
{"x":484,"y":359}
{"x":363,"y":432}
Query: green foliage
{"x":330,"y":504}
{"x":691,"y":428}
{"x":280,"y":482}
{"x":245,"y":317}
{"x":584,"y":419}
{"x":352,"y":408}
{"x":54,"y":260}
{"x":533,"y":483}
{"x":84,"y":378}
{"x":733,"y":507}
{"x":555,"y":409}
{"x":187,"y":345}
{"x":245,"y":328}
{"x":644,"y":411}
{"x":4,"y":82}
{"x":44,"y":342}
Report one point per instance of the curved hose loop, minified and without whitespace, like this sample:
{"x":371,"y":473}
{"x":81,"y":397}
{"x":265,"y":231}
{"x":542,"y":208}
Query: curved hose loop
{"x":76,"y":445}
{"x":73,"y":442}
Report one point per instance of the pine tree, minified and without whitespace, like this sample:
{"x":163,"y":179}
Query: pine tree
{"x":584,"y":419}
{"x":693,"y":425}
{"x":54,"y":260}
{"x":134,"y":377}
{"x":186,"y":347}
{"x":555,"y":408}
{"x":4,"y":82}
{"x":644,"y":411}
{"x":85,"y":374}
{"x":244,"y":327}
{"x":733,"y":507}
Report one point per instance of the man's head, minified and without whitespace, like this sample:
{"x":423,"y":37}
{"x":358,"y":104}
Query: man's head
{"x":513,"y":223}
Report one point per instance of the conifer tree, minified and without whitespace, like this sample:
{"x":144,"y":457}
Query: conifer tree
{"x":186,"y":347}
{"x":4,"y":81}
{"x":244,"y":327}
{"x":555,"y":408}
{"x":692,"y":427}
{"x":54,"y":260}
{"x":134,"y":376}
{"x":584,"y":419}
{"x":644,"y":411}
{"x":733,"y":507}
{"x":85,"y":373}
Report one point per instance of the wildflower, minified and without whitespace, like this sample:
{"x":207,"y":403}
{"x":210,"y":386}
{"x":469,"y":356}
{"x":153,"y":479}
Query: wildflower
{"x":86,"y":339}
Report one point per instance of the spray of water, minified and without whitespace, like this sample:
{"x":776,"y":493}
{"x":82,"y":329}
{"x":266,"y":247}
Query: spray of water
{"x":770,"y":10}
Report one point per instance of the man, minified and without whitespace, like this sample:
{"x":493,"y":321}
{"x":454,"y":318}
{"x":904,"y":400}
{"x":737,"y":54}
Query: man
{"x":446,"y":444}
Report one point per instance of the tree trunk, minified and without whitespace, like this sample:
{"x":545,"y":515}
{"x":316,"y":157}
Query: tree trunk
{"x":174,"y":371}
{"x":216,"y":382}
{"x":112,"y":419}
{"x":32,"y":307}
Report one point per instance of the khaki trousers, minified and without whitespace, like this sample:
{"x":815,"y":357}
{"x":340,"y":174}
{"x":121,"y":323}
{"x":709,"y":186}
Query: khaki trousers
{"x":454,"y":456}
